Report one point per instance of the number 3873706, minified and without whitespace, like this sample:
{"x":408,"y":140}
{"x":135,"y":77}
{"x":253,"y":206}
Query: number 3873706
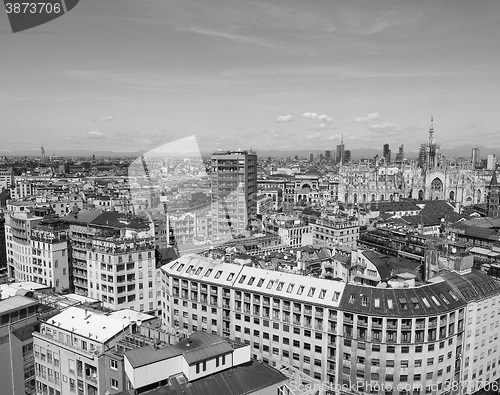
{"x":33,"y":8}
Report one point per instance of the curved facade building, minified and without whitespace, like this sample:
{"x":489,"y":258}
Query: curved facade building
{"x":350,"y":338}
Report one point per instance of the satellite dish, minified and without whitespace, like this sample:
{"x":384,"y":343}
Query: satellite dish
{"x":454,"y":250}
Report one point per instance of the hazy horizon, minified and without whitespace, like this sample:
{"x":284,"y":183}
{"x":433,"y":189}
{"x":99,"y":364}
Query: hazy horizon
{"x":132,"y":75}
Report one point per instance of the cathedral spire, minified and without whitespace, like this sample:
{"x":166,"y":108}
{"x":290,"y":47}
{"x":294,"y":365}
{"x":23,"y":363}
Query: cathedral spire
{"x":431,"y":131}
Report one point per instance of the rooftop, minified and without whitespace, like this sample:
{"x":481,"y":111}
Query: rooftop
{"x":15,"y":303}
{"x":198,"y":347}
{"x":96,"y":326}
{"x":242,"y":379}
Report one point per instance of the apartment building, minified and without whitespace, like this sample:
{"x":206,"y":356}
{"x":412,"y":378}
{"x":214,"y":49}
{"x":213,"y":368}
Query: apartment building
{"x":343,"y":334}
{"x":336,"y":230}
{"x":71,"y":351}
{"x":122,"y":273}
{"x":18,"y":320}
{"x":234,"y":190}
{"x":19,"y":220}
{"x":50,"y":254}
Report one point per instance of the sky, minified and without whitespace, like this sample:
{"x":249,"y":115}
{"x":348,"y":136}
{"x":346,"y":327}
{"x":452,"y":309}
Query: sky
{"x":129,"y":75}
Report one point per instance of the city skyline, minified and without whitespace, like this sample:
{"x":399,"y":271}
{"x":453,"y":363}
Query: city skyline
{"x":129,"y":76}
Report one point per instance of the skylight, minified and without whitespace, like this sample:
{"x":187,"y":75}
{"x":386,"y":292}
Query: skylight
{"x":322,"y":294}
{"x":311,"y":292}
{"x":300,"y":290}
{"x":290,"y":288}
{"x":261,"y":281}
{"x":426,"y":302}
{"x":252,"y":279}
{"x":270,"y":284}
{"x":218,"y":274}
{"x":242,"y":278}
{"x":280,"y":286}
{"x":208,"y":273}
{"x":230,"y":277}
{"x":435,"y":300}
{"x":180,"y":267}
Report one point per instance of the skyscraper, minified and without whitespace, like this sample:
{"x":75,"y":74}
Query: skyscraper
{"x":328,"y":156}
{"x":475,"y":156}
{"x":340,"y":157}
{"x":387,"y":153}
{"x":234,"y":189}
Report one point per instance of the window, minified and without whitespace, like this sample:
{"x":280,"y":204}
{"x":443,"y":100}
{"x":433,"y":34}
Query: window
{"x":270,"y":284}
{"x":280,"y":286}
{"x":322,"y":294}
{"x":290,"y":288}
{"x":300,"y":290}
{"x":312,"y":290}
{"x":114,"y":384}
{"x":113,"y":364}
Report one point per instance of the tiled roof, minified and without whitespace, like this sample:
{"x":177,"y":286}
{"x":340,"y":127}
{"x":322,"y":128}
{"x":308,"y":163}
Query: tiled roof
{"x":475,"y":285}
{"x":276,"y":283}
{"x":429,"y":299}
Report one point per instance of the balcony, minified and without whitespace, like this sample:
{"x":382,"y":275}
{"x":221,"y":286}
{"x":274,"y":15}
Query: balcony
{"x":318,"y":314}
{"x":92,"y":378}
{"x":363,"y":324}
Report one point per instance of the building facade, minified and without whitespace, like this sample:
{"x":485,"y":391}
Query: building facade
{"x":339,"y":333}
{"x":234,"y":190}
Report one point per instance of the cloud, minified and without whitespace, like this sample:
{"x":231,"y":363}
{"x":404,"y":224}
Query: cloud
{"x":310,"y":115}
{"x":283,"y":118}
{"x":325,"y":119}
{"x":104,"y":118}
{"x":94,"y":134}
{"x":369,"y":118}
{"x":314,"y":136}
{"x":386,"y":128}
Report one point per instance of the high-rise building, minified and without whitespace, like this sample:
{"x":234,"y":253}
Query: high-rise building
{"x":347,"y":156}
{"x":493,"y":198}
{"x":339,"y":157}
{"x":328,"y":156}
{"x":491,"y":162}
{"x":310,"y":157}
{"x":400,"y":156}
{"x":234,"y":189}
{"x":387,"y":153}
{"x":475,"y":156}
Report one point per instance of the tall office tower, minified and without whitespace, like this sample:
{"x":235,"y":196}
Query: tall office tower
{"x":347,"y":156}
{"x":491,"y":162}
{"x":310,"y":157}
{"x":340,"y":151}
{"x":328,"y":156}
{"x":234,"y":190}
{"x":400,"y":156}
{"x":387,"y":153}
{"x":475,"y":156}
{"x":493,"y":198}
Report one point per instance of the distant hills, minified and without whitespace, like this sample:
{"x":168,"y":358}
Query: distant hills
{"x":455,"y":152}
